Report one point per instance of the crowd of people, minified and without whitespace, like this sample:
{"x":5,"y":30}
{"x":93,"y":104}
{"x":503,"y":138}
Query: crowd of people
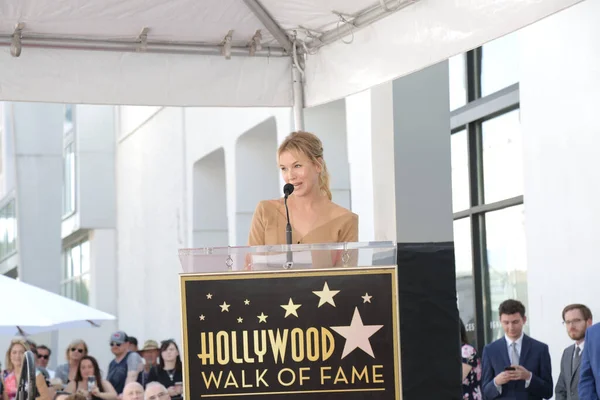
{"x":132,"y":374}
{"x":517,"y":366}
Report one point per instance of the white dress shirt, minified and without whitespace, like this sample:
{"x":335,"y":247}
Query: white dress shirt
{"x":519,"y":346}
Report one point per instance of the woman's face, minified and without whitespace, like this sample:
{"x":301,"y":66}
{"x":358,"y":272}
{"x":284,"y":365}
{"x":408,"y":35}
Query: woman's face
{"x":300,"y":171}
{"x":86,"y":368}
{"x":16,"y":355}
{"x":170,"y":353}
{"x":76,"y":351}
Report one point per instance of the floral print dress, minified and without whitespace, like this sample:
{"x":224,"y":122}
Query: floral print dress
{"x":10,"y":384}
{"x":471,"y":386}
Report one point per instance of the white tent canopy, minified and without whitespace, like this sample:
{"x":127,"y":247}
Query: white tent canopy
{"x":159,"y":52}
{"x":30,"y":310}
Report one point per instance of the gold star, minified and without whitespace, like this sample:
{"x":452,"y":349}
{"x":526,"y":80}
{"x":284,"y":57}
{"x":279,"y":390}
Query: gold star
{"x":224,"y":307}
{"x":366,"y":298}
{"x":209,"y":296}
{"x":247,"y":302}
{"x":240,"y":320}
{"x":262,"y":318}
{"x":326,"y":295}
{"x":290,"y":308}
{"x":202,"y":317}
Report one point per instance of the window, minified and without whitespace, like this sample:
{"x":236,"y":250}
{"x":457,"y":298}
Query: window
{"x":465,"y":286}
{"x":76,"y":271}
{"x":499,"y":64}
{"x":487,"y":186}
{"x":458,"y":81}
{"x":69,"y":166}
{"x":506,"y":259}
{"x":8,"y":230}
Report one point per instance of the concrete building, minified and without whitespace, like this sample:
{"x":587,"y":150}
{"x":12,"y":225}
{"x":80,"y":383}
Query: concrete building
{"x":96,"y":200}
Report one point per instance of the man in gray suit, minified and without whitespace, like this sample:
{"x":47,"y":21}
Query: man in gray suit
{"x":576,"y":318}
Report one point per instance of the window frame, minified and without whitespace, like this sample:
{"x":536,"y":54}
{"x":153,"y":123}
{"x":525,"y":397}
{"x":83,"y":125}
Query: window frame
{"x":76,"y":277}
{"x":470,"y":117}
{"x":69,"y":144}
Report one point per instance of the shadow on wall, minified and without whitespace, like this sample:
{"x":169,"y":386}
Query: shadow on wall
{"x":210,"y":201}
{"x":256,"y":172}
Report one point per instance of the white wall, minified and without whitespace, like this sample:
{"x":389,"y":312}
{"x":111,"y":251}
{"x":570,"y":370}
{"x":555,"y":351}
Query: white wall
{"x":150,"y":205}
{"x":370,"y":122}
{"x":210,"y":128}
{"x":560,"y":83}
{"x":257,"y":175}
{"x":328,"y":122}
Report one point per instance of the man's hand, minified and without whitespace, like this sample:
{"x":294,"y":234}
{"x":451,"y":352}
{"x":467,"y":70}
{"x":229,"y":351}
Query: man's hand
{"x":503,"y":377}
{"x":520,"y":373}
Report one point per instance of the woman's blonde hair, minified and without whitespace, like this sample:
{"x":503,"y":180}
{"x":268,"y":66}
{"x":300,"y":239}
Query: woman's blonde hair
{"x":75,"y":343}
{"x":16,"y":341}
{"x":310,"y":145}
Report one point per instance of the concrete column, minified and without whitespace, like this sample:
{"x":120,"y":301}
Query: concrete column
{"x":424,"y":230}
{"x":95,"y":142}
{"x":37,"y":131}
{"x":422,"y":156}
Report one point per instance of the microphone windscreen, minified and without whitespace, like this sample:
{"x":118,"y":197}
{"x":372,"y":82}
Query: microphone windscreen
{"x":288,"y":189}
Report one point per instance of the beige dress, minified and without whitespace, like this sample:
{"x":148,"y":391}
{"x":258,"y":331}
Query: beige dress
{"x":269,"y":221}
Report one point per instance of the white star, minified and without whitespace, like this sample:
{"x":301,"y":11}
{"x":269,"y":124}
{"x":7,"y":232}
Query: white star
{"x":290,"y":308}
{"x":202,"y":317}
{"x":224,"y":307}
{"x":262,"y":318}
{"x":209,"y":296}
{"x":366,"y":298}
{"x":357,"y":335}
{"x":240,"y":320}
{"x":247,"y":302}
{"x":326,"y":295}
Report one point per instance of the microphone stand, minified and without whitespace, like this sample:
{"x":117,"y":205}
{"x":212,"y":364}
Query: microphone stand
{"x":288,"y":235}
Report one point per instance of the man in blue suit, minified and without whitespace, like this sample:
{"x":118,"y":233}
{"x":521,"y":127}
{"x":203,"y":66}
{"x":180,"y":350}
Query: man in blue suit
{"x":516,"y":367}
{"x":589,"y":379}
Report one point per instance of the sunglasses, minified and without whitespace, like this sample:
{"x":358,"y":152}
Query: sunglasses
{"x":75,"y":349}
{"x":44,"y":356}
{"x":112,"y":344}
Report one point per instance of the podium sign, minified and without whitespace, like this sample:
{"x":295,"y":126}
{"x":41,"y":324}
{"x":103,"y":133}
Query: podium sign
{"x":316,"y":334}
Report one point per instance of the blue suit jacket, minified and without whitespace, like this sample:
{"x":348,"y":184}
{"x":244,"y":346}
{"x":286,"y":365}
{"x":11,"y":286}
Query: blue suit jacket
{"x":589,"y":378}
{"x":534,"y":357}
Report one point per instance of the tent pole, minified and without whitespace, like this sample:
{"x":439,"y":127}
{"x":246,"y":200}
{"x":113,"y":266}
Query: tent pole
{"x":298,"y":109}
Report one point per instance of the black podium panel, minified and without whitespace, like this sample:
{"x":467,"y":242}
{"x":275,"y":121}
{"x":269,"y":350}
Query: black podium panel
{"x":429,"y":325}
{"x":312,"y":334}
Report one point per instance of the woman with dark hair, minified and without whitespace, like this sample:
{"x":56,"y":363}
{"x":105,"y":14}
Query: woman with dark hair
{"x":471,"y":368}
{"x":168,"y":372}
{"x":89,"y":382}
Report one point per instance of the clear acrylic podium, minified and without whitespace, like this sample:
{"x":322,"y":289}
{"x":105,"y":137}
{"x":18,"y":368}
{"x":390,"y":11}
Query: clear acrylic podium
{"x":274,"y":258}
{"x":319,"y":321}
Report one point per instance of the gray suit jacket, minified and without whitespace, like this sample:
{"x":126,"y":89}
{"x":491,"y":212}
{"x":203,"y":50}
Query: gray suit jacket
{"x":568,"y":380}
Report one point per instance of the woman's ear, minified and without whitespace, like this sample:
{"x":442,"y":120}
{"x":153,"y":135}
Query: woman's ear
{"x":319,"y":164}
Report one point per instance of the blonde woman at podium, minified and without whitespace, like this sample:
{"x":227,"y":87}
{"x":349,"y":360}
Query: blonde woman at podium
{"x":313,"y":217}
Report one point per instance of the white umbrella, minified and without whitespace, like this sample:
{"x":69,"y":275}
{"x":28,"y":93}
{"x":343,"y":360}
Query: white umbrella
{"x":38,"y":310}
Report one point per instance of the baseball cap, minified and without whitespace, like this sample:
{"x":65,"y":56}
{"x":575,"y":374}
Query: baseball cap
{"x":119,"y":337}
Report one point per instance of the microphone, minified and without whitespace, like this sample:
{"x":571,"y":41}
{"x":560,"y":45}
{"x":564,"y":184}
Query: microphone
{"x":288,"y":189}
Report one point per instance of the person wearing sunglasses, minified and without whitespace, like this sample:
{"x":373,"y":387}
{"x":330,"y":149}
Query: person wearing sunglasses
{"x":126,"y":366}
{"x":75,"y":352}
{"x":43,"y":357}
